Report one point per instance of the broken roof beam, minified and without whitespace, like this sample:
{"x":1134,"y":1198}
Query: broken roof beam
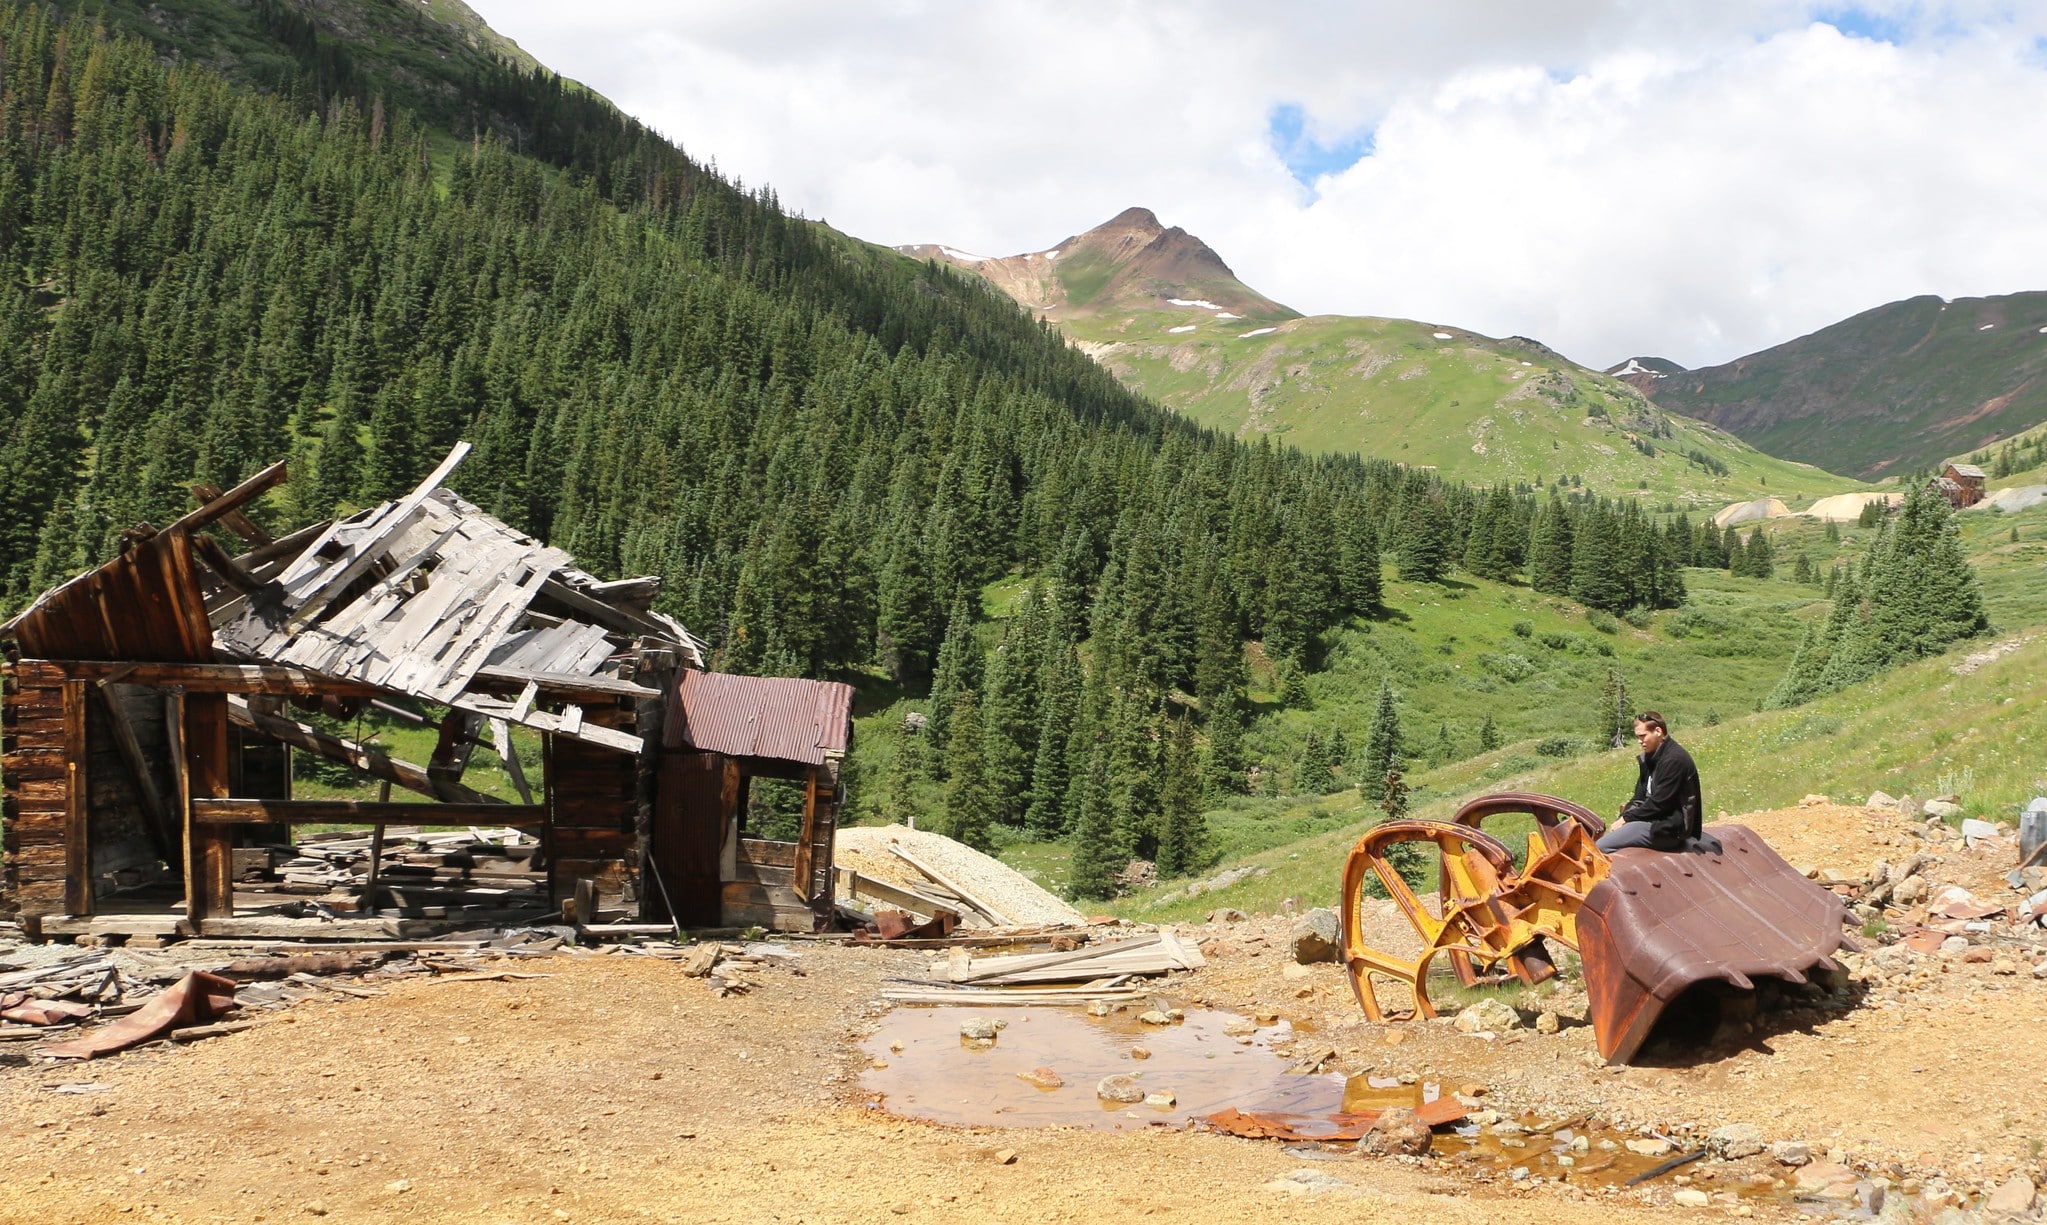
{"x":234,"y":521}
{"x":565,"y":684}
{"x":233,"y":500}
{"x":569,"y":723}
{"x":366,"y":758}
{"x":624,"y":620}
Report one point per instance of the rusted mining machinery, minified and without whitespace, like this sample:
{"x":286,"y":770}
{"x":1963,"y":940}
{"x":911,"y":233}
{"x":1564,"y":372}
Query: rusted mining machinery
{"x":1646,"y":924}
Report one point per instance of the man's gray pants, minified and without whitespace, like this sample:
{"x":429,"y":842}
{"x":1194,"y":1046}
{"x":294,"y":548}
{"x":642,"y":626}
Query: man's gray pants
{"x":1626,"y":834}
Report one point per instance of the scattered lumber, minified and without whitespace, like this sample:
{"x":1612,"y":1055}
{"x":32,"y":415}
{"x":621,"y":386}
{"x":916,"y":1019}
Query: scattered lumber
{"x":1158,"y":953}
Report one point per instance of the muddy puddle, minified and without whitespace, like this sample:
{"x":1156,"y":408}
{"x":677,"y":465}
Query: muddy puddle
{"x":921,"y":1067}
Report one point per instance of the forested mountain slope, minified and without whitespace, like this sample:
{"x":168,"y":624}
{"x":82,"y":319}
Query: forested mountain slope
{"x":826,"y":449}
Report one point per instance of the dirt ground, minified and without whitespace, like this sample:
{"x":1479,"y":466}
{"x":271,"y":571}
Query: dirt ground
{"x":616,"y":1089}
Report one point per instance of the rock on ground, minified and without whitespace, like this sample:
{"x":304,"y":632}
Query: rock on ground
{"x":1399,"y":1132}
{"x":1317,"y":937}
{"x":1734,"y":1141}
{"x":1488,"y":1014}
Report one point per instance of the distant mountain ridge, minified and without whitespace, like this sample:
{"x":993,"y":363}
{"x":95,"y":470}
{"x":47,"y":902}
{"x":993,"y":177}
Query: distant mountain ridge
{"x":1895,"y":388}
{"x":1162,"y":310}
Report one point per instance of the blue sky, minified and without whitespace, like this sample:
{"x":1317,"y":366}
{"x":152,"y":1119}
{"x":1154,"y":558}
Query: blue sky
{"x":1305,"y":156}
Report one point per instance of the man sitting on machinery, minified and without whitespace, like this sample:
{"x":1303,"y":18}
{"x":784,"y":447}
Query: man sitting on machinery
{"x":1666,"y":811}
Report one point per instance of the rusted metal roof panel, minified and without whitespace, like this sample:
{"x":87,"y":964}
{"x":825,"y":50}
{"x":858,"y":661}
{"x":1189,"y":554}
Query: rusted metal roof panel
{"x":1661,"y":922}
{"x":782,"y":718}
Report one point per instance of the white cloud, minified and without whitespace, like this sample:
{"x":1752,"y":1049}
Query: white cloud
{"x":1613,"y":181}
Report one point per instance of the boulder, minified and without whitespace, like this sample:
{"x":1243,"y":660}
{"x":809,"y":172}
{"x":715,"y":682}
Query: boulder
{"x":1879,"y":799}
{"x":1121,"y":1087}
{"x":1650,"y":1146}
{"x":1690,"y":1197}
{"x":1317,"y":937}
{"x":1911,"y":891}
{"x":1944,"y":809}
{"x":1488,"y":1014}
{"x":1399,"y":1132}
{"x":1790,"y":1152}
{"x":2014,"y":1198}
{"x":1908,"y":808}
{"x":1734,"y":1141}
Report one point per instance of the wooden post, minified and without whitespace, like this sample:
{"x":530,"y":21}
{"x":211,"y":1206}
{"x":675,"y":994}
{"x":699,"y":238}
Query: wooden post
{"x":77,"y":803}
{"x":201,"y":724}
{"x":181,"y":784}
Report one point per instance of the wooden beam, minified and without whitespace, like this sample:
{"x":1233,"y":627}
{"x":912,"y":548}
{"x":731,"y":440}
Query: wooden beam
{"x":223,"y":812}
{"x":501,"y":740}
{"x":370,"y":760}
{"x":229,"y":571}
{"x":234,"y":521}
{"x":233,"y":500}
{"x":163,"y":823}
{"x":181,"y":784}
{"x":216,"y":678}
{"x":566,"y":684}
{"x":1001,"y":919}
{"x":77,"y":803}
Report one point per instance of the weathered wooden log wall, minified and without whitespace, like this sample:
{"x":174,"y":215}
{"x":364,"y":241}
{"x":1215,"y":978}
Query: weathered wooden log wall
{"x":594,"y":794}
{"x":32,"y":800}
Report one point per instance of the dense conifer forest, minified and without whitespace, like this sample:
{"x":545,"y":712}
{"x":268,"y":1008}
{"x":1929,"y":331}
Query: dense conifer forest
{"x":827,"y":450}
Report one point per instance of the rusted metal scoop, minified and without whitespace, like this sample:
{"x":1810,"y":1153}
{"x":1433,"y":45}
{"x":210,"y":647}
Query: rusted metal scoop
{"x":1661,"y":922}
{"x":1647,"y":924}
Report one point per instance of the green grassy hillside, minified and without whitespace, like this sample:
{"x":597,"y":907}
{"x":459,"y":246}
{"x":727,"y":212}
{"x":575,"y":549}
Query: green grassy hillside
{"x":1458,"y":653}
{"x":1163,"y":312}
{"x":1477,"y":408}
{"x":1891,"y":389}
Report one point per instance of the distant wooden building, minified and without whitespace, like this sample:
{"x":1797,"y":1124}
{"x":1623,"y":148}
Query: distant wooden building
{"x":146,"y":732}
{"x":1961,"y":484}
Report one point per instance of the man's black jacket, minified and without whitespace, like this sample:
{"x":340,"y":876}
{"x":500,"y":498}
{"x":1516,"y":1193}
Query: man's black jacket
{"x":1667,"y":796}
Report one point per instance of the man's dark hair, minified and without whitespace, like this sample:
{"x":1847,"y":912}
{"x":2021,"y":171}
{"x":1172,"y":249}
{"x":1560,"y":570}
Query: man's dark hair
{"x":1651,"y":718}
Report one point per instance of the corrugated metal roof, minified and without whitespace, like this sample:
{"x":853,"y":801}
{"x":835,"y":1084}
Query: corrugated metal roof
{"x":783,"y":718}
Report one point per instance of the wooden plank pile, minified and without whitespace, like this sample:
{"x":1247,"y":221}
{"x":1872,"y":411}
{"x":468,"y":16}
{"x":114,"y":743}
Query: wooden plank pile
{"x":1077,"y":976}
{"x":483,"y":875}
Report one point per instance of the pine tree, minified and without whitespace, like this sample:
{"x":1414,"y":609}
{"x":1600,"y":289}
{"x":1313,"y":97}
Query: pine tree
{"x":1096,"y":858}
{"x":1362,"y":581}
{"x":969,"y":809}
{"x":1183,"y":841}
{"x":1426,"y":537}
{"x":1488,"y":734}
{"x":1312,"y":774}
{"x":1222,"y":768}
{"x":1009,"y":730}
{"x":1611,"y":723}
{"x":1549,"y":553}
{"x":1759,"y":558}
{"x":1382,"y":745}
{"x":959,"y":670}
{"x":1293,"y":686}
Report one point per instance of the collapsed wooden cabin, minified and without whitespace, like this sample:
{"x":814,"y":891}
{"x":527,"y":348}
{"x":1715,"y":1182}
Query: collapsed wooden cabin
{"x":147,"y":728}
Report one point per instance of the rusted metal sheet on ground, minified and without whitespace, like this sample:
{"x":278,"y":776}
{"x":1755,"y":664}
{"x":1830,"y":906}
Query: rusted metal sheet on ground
{"x":1280,"y":1125}
{"x":781,"y":718}
{"x":1661,"y":922}
{"x":197,"y":999}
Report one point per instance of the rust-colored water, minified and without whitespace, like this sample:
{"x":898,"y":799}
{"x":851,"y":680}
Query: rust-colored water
{"x":941,"y":1077}
{"x":938,"y":1076}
